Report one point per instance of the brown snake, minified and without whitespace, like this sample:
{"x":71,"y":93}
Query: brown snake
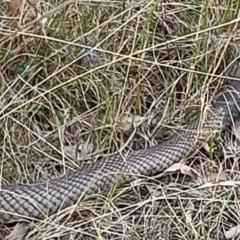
{"x":41,"y":200}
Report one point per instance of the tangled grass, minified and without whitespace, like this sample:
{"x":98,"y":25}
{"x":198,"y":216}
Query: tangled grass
{"x":89,"y":78}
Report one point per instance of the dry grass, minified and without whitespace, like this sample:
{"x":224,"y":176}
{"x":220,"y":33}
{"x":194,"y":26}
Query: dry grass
{"x":74,"y":80}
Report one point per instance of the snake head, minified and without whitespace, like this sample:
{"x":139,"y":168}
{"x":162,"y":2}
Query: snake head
{"x":229,"y":102}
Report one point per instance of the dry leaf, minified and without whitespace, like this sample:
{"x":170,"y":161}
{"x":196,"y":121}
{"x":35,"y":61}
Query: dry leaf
{"x":236,"y":130}
{"x":129,"y":121}
{"x":43,"y":23}
{"x":185,"y":170}
{"x":216,"y":177}
{"x":14,"y":8}
{"x":232,"y":232}
{"x":78,"y":151}
{"x":18,"y":232}
{"x":1,"y":236}
{"x":152,"y":191}
{"x":189,"y":211}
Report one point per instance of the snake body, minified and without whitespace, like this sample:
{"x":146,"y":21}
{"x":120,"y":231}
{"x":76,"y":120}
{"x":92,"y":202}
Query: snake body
{"x":41,"y":200}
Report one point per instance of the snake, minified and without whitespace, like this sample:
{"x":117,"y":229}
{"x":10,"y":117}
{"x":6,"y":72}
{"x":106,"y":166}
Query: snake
{"x":38,"y":201}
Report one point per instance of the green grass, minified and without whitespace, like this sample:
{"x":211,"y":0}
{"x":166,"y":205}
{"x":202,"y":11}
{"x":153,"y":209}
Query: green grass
{"x":76,"y":80}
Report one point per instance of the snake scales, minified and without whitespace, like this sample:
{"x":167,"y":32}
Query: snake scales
{"x":38,"y":201}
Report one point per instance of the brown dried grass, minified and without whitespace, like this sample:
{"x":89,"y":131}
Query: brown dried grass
{"x":76,"y":79}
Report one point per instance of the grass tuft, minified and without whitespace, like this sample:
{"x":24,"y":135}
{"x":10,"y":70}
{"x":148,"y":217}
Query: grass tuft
{"x":75,"y":78}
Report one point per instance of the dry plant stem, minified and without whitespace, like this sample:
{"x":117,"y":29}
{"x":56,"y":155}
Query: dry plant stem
{"x":41,"y":200}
